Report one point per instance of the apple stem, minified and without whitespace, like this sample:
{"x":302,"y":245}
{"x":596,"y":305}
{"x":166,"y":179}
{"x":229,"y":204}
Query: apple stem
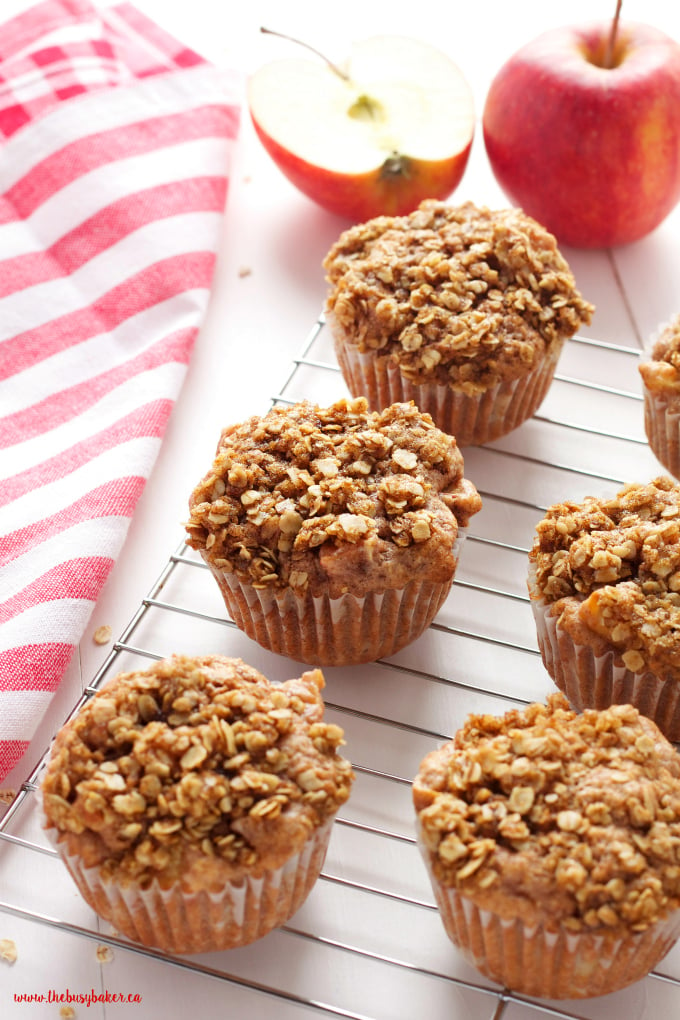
{"x":608,"y":61}
{"x":299,"y":42}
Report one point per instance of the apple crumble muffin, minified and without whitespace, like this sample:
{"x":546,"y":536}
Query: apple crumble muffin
{"x":553,"y":844}
{"x":334,"y":532}
{"x":178,"y":790}
{"x":604,"y":581}
{"x":661,"y":391}
{"x":462,"y":309}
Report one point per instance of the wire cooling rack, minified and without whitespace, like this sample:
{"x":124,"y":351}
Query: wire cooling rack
{"x":368,"y":944}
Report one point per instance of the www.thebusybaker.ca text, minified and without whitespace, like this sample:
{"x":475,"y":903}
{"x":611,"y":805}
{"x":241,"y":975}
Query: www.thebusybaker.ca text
{"x":79,"y":998}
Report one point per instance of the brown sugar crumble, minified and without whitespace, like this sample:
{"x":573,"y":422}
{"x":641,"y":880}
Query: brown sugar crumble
{"x":570,"y":819}
{"x":322,"y":499}
{"x":611,"y":568}
{"x":661,"y":374}
{"x":462,"y":296}
{"x":195,"y":766}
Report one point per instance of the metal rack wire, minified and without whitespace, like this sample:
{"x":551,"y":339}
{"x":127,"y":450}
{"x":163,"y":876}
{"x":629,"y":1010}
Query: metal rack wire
{"x":553,"y":451}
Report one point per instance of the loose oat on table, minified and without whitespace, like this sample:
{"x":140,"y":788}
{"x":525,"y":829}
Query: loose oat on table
{"x":462,"y":296}
{"x":557,"y":817}
{"x":611,"y":568}
{"x":193,"y":770}
{"x":102,"y":635}
{"x":333,"y":499}
{"x":8,"y":950}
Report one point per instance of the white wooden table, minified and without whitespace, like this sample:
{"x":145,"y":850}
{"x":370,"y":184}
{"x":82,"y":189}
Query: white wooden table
{"x":368,"y":943}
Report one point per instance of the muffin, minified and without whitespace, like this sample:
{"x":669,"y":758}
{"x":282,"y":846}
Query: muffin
{"x":462,"y":310}
{"x":333,"y":533}
{"x":192,"y":802}
{"x":661,"y":391}
{"x":552,"y":840}
{"x":604,"y":582}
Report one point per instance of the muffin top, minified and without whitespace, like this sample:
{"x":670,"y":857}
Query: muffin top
{"x":333,"y":499}
{"x":661,"y":373}
{"x":196,"y":770}
{"x":610,"y":568}
{"x":556,"y":817}
{"x":460,"y":296}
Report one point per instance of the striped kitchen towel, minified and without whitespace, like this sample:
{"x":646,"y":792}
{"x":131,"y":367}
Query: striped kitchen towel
{"x":115,"y":150}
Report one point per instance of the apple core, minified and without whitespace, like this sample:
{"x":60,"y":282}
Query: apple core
{"x":367,"y":108}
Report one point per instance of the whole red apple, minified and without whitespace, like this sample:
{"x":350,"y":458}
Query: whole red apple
{"x":393,"y":127}
{"x":590,"y":151}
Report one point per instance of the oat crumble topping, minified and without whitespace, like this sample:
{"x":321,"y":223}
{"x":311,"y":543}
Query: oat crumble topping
{"x":463,"y":296}
{"x":546,"y":813}
{"x":661,"y":374}
{"x":611,"y":567}
{"x":195,"y":766}
{"x":331,"y":499}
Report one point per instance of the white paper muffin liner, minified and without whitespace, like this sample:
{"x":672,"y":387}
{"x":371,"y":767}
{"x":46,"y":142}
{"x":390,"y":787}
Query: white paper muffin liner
{"x":201,"y":922}
{"x":552,"y":964}
{"x":334,"y":631}
{"x":661,"y":414}
{"x":471,"y":418}
{"x":662,"y":426}
{"x":597,"y":681}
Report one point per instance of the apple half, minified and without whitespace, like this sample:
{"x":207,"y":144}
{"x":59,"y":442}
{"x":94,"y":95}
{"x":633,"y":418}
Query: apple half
{"x":395,"y":128}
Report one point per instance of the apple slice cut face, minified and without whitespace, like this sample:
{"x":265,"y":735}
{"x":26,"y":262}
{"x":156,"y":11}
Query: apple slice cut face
{"x":403,"y":97}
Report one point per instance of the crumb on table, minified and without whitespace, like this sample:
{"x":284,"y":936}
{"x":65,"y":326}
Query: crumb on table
{"x":8,"y":950}
{"x":102,"y":635}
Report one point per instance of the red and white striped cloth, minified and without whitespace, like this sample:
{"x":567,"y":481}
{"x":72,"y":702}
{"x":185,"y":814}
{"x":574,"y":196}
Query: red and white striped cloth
{"x":115,"y":147}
